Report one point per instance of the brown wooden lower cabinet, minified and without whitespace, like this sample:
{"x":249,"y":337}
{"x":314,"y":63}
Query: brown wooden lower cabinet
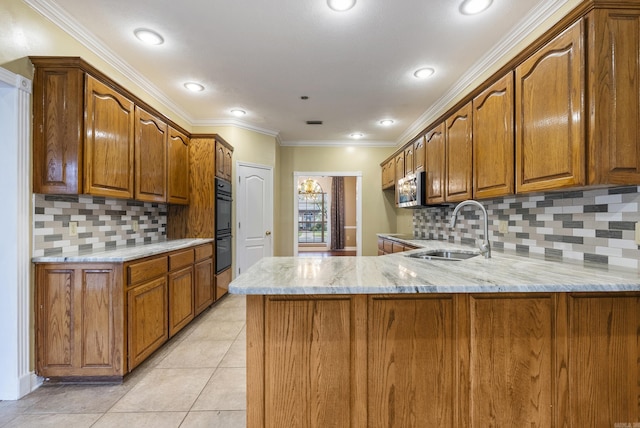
{"x":101,"y":320}
{"x":147,"y":319}
{"x":448,"y":360}
{"x":387,"y":246}
{"x":79,"y":320}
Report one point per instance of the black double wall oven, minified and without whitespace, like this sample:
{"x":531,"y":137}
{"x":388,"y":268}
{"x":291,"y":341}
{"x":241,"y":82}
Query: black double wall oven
{"x":223,"y":224}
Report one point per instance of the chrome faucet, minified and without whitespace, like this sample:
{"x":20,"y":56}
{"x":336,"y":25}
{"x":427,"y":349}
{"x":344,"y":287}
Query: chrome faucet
{"x":485,"y":247}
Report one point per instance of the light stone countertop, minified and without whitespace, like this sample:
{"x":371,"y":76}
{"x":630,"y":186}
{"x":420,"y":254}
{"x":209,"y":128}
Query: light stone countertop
{"x":123,"y":253}
{"x":397,"y":273}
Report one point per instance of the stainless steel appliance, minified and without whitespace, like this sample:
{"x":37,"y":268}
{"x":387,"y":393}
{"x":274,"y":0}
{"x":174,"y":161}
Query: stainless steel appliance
{"x":411,"y":190}
{"x":223,"y":224}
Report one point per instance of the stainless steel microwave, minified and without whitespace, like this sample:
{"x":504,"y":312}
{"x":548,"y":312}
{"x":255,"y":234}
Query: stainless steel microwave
{"x":411,"y":190}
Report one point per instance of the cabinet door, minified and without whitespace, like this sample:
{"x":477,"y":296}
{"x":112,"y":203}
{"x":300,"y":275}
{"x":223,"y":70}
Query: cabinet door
{"x":408,"y":160}
{"x":388,"y":174}
{"x":459,"y":155}
{"x":109,"y":142}
{"x":147,"y":319}
{"x":228,"y":163}
{"x":79,"y":321}
{"x":411,"y":367}
{"x":304,"y":354}
{"x":614,"y":77}
{"x":512,"y":362}
{"x":151,"y":158}
{"x":181,"y":310}
{"x":550,"y":150}
{"x":494,"y":140}
{"x":399,"y":170}
{"x":58,"y":111}
{"x":419,"y":155}
{"x":434,"y":152}
{"x":204,"y":285}
{"x":603,"y":355}
{"x":178,"y":168}
{"x":220,"y":160}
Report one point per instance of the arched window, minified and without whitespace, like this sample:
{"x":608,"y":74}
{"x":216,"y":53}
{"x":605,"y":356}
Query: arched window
{"x":312,"y":213}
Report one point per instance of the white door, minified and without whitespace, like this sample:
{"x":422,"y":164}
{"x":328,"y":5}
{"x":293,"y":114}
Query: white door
{"x":254,"y":215}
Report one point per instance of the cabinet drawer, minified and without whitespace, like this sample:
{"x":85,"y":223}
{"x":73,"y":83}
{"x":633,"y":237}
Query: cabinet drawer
{"x":204,"y":251}
{"x":146,"y":270}
{"x":387,"y":246}
{"x":181,"y":259}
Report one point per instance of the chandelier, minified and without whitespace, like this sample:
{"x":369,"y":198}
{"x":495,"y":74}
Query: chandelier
{"x":309,"y":188}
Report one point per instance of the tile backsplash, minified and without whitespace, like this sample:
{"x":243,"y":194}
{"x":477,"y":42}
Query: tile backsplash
{"x":102,"y":223}
{"x":591,"y":225}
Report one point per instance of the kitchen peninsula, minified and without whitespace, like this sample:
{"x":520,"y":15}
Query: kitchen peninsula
{"x":396,"y":341}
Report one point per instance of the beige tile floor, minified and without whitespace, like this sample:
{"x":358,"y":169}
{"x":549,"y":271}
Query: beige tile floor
{"x":198,"y":379}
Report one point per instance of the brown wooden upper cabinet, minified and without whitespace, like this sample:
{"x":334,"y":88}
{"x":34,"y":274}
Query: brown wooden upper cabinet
{"x":389,"y":174}
{"x":224,"y":155}
{"x":493,"y":140}
{"x":419,"y":155}
{"x":435,"y":162}
{"x":408,"y":160}
{"x":550,"y":149}
{"x":109,"y":142}
{"x":91,"y":136}
{"x":178,"y":167}
{"x":614,"y":89}
{"x":459,"y":155}
{"x":58,"y":110}
{"x":151,"y":157}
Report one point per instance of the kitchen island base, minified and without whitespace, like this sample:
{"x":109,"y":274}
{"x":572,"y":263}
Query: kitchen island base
{"x":443,"y":360}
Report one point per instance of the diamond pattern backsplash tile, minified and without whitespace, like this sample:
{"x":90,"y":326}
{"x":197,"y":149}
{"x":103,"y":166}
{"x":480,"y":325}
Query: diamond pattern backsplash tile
{"x":591,"y":225}
{"x":101,"y":223}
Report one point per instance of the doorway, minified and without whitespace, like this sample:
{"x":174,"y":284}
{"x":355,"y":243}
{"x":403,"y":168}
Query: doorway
{"x":327,"y":213}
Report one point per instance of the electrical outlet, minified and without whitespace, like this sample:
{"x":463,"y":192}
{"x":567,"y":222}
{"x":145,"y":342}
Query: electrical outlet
{"x":638,"y":233}
{"x":73,"y":228}
{"x":134,"y":225}
{"x":503,"y":226}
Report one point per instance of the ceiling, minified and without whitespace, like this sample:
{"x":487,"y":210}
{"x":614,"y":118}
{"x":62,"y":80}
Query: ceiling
{"x":355,"y":67}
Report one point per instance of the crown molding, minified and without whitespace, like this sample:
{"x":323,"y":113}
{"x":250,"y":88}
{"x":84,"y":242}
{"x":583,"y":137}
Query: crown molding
{"x":520,"y":32}
{"x":15,"y":80}
{"x":238,"y":124}
{"x":85,"y":37}
{"x":338,"y":143}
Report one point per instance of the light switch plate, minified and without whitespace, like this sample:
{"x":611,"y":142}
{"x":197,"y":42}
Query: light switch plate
{"x":73,"y":228}
{"x":503,"y":226}
{"x":134,"y":225}
{"x":638,"y":233}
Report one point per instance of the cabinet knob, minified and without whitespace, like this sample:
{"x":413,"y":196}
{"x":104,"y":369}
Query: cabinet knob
{"x":268,"y":232}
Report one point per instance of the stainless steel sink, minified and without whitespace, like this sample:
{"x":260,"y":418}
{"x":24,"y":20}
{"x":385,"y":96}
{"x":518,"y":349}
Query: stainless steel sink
{"x":450,"y":255}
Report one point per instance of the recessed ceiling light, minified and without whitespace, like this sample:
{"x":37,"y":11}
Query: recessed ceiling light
{"x":341,"y":5}
{"x":357,"y":135}
{"x":472,"y":7}
{"x":149,"y":37}
{"x":238,"y":113}
{"x":386,"y":122}
{"x":423,"y":73}
{"x":193,"y":86}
